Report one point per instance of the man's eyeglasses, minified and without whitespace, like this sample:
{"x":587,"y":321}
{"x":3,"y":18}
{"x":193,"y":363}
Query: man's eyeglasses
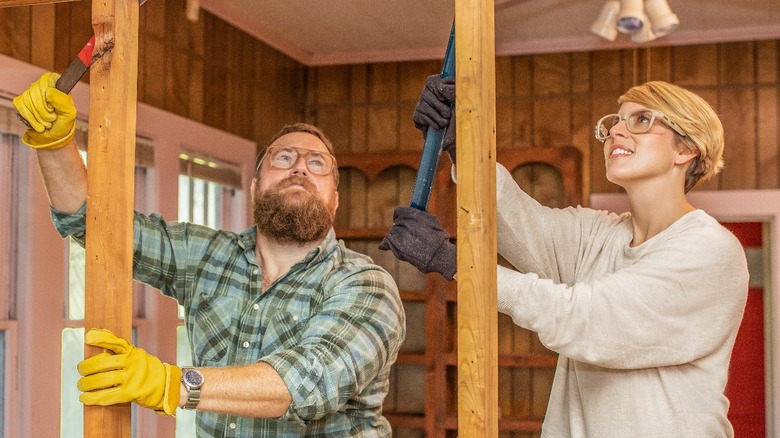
{"x":285,"y":157}
{"x":637,"y":122}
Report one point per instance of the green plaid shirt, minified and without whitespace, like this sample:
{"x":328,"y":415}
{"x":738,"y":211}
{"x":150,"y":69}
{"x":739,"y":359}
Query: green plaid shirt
{"x":331,"y":327}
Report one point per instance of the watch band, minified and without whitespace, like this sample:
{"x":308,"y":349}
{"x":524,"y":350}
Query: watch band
{"x":193,"y":398}
{"x":193,"y":381}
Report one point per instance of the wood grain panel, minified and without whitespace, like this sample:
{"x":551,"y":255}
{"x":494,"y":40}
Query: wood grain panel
{"x":552,"y":126}
{"x":659,"y":64}
{"x":692,"y":66}
{"x":737,"y":64}
{"x":580,"y":72}
{"x":540,"y":388}
{"x":333,"y":85}
{"x":42,"y":45}
{"x":382,"y":128}
{"x":176,"y":79}
{"x":410,"y":138}
{"x":21,"y":3}
{"x":152,"y":19}
{"x":767,"y":147}
{"x":522,"y":126}
{"x":766,"y":60}
{"x":551,"y":74}
{"x":740,"y":133}
{"x":358,"y":139}
{"x":359,"y":84}
{"x":196,"y":87}
{"x":505,"y":123}
{"x":605,"y":67}
{"x":334,"y":122}
{"x":383,"y":82}
{"x":504,"y":78}
{"x":522,"y":76}
{"x":412,"y":76}
{"x":582,"y":139}
{"x":15,"y":32}
{"x":151,"y":55}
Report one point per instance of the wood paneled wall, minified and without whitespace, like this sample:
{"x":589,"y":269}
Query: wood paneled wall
{"x":207,"y":71}
{"x":553,"y":100}
{"x":218,"y":75}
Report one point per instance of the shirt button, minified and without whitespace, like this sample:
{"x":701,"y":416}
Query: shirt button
{"x":295,"y":317}
{"x":246,"y":344}
{"x":232,"y":426}
{"x":255,"y":271}
{"x":256,"y":306}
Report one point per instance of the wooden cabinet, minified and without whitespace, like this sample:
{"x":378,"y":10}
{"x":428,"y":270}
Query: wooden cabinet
{"x":423,"y":389}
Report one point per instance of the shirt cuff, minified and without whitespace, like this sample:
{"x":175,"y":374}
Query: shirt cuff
{"x":70,"y":224}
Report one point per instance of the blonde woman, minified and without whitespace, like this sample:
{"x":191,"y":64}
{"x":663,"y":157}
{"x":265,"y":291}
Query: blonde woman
{"x":643,"y":308}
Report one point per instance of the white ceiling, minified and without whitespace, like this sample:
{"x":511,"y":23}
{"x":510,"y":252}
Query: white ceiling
{"x":329,"y":32}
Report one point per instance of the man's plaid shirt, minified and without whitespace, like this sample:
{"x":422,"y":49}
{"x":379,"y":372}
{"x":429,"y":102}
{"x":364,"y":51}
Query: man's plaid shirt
{"x":331,"y":327}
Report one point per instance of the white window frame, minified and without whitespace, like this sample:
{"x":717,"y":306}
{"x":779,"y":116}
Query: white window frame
{"x":41,"y":316}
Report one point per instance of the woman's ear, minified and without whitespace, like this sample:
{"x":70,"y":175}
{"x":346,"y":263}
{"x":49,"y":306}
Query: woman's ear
{"x":685,"y":155}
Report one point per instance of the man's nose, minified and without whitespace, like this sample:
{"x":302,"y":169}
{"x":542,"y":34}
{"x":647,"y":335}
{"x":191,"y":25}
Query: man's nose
{"x":300,"y":166}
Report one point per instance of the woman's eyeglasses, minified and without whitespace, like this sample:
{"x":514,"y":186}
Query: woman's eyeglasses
{"x":637,"y":122}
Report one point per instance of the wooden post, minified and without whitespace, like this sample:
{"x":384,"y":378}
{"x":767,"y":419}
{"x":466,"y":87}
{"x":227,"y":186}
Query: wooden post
{"x":111,"y":163}
{"x":477,"y":257}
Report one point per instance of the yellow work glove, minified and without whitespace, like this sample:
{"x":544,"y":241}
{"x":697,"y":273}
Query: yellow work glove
{"x":127,"y":374}
{"x":50,"y":113}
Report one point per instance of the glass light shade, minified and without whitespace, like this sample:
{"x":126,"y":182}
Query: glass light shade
{"x":661,"y":16}
{"x":605,"y":25}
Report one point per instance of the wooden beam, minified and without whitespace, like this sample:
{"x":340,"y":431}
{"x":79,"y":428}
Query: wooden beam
{"x":9,"y":3}
{"x":477,"y":257}
{"x":111,"y":163}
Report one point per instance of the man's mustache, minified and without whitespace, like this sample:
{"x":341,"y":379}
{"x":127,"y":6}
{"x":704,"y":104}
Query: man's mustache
{"x":295,"y":180}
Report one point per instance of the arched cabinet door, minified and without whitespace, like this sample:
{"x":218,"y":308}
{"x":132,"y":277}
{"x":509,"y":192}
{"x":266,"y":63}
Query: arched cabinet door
{"x":422,"y":399}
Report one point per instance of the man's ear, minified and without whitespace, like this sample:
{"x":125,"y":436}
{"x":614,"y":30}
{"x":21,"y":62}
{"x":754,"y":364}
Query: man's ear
{"x":252,"y":188}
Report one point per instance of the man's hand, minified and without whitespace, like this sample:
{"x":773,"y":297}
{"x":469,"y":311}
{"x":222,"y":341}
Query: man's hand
{"x":435,"y":110}
{"x":127,"y":374}
{"x":417,"y":237}
{"x":50,"y":113}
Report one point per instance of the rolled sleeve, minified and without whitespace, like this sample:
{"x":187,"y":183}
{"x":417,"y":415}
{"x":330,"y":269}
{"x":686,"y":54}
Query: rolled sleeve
{"x":70,"y":224}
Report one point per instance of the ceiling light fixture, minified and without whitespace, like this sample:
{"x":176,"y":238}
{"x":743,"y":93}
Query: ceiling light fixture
{"x":643,"y":20}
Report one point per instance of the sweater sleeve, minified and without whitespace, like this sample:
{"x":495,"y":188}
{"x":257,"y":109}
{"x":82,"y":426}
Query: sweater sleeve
{"x":547,"y":241}
{"x":677,"y":300}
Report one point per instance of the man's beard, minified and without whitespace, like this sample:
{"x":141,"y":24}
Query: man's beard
{"x":292,"y":222}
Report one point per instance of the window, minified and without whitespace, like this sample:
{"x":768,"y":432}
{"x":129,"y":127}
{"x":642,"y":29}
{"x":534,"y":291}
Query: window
{"x":42,"y":313}
{"x":208,"y":195}
{"x":13,"y":177}
{"x":72,"y":417}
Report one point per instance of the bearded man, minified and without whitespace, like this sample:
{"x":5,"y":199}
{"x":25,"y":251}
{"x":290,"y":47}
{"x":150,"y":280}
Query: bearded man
{"x":291,"y":333}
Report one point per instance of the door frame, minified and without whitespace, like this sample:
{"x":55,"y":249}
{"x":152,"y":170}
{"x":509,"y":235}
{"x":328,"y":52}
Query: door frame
{"x":742,"y":206}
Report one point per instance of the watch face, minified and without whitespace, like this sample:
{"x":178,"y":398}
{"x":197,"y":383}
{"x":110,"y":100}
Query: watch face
{"x":193,"y":378}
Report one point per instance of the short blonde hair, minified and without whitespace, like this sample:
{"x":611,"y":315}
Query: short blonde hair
{"x":704,"y":131}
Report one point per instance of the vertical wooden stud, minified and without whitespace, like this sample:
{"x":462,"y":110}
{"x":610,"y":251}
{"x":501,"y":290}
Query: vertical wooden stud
{"x":111,"y":152}
{"x":477,"y":258}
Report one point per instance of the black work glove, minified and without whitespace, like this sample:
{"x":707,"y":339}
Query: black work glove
{"x":417,"y":237}
{"x":436,"y":110}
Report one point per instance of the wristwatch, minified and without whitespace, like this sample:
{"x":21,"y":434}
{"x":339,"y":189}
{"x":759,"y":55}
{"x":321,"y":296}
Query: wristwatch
{"x":193,"y":381}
